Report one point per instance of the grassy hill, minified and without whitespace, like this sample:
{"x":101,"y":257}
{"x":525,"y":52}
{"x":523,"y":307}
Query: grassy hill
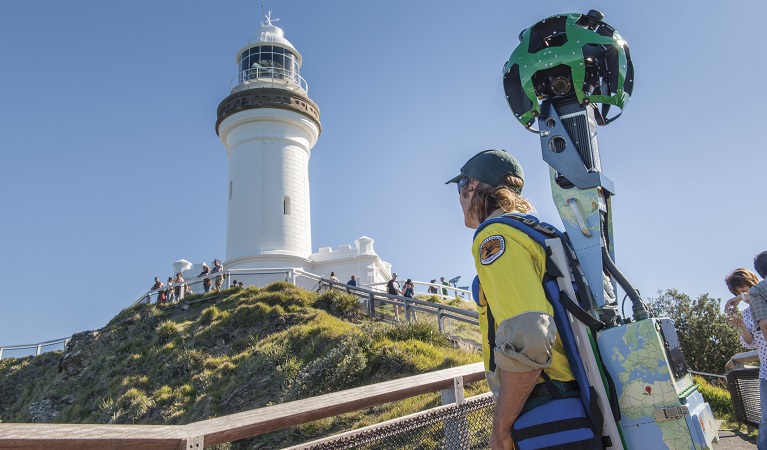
{"x":180,"y":363}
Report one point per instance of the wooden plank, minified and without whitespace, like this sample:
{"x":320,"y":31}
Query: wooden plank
{"x":252,"y":423}
{"x":87,"y":437}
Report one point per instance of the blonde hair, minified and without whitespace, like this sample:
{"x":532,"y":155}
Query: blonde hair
{"x":489,"y":198}
{"x":740,"y":279}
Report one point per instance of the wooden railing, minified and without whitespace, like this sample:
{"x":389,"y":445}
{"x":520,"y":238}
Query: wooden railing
{"x":241,"y":425}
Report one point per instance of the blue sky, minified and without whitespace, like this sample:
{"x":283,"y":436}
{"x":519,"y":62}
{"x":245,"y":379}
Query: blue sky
{"x":112,"y":168}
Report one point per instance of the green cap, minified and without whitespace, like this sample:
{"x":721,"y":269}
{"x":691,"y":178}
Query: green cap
{"x":490,"y":167}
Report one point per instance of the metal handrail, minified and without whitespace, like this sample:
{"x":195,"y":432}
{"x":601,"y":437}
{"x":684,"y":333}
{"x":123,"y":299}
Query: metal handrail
{"x":409,"y":304}
{"x":269,"y":73}
{"x":458,"y":291}
{"x":37,"y":346}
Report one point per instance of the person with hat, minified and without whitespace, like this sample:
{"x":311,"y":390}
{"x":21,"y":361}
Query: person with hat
{"x":522,"y":351}
{"x":392,"y":288}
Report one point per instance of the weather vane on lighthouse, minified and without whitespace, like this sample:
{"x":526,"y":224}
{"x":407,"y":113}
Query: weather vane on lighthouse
{"x":268,"y":17}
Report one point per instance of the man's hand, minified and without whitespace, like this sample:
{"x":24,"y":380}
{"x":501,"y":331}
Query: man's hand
{"x":515,"y":389}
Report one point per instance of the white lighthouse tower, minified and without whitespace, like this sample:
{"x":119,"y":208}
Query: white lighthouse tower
{"x":269,"y":125}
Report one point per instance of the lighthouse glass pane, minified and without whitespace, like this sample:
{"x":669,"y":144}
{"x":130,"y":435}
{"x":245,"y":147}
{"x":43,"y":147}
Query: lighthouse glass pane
{"x":244,"y":61}
{"x":278,"y":60}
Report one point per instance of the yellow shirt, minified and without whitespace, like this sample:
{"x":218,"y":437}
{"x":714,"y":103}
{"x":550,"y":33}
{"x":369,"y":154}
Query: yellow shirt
{"x":510,"y":266}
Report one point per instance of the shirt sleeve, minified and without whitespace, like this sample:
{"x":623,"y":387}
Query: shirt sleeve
{"x":758,"y":294}
{"x":510,"y":266}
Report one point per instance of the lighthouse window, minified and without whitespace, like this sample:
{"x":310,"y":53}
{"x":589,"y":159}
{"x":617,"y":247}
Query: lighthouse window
{"x":268,"y":61}
{"x":286,"y":205}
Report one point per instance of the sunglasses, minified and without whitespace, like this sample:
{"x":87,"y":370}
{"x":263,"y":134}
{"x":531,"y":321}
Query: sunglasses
{"x":461,"y":183}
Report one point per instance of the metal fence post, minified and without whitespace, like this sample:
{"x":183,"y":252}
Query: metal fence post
{"x":371,"y":306}
{"x":407,"y":310}
{"x":440,"y":321}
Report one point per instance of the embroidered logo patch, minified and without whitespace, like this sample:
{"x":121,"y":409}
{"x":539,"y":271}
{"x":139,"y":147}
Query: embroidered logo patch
{"x":491,"y":249}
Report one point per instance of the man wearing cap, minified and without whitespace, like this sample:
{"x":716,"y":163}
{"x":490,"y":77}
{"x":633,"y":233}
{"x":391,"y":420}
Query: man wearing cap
{"x":392,"y":288}
{"x":520,"y":344}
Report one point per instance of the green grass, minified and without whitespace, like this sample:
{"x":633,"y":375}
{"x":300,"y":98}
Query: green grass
{"x":246,"y":349}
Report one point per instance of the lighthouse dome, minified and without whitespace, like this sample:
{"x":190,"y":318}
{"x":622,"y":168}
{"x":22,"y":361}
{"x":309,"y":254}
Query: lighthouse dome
{"x":269,"y":58}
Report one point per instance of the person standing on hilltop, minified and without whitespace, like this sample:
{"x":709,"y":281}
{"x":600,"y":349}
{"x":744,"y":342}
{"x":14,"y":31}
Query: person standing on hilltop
{"x":156,"y":287}
{"x":392,"y":288}
{"x":433,"y":289}
{"x":170,"y":296}
{"x":206,"y":283}
{"x":444,"y":283}
{"x":179,"y":289}
{"x":525,"y":363}
{"x":217,"y":268}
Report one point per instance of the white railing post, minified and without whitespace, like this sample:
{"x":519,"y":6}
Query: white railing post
{"x":455,"y":427}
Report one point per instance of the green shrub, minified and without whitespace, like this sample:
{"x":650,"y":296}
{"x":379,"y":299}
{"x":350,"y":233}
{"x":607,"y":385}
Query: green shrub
{"x":421,"y":331}
{"x":337,"y":369}
{"x":339,"y":304}
{"x":135,"y":404}
{"x":209,"y":314}
{"x":166,"y":331}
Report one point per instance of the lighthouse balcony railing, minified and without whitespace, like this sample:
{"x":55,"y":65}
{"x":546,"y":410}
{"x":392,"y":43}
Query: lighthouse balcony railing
{"x":252,"y":76}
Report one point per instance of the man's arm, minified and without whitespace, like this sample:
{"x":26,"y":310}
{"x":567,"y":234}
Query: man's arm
{"x":515,"y":389}
{"x":763,"y":327}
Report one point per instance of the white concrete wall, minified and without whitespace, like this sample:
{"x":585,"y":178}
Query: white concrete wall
{"x":269,"y":152}
{"x":360,"y":260}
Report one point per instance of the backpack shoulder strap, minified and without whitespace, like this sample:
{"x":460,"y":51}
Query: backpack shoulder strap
{"x":540,"y":232}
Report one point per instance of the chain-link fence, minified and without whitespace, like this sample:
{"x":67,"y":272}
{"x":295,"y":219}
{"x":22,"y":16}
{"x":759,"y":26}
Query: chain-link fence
{"x":454,"y":427}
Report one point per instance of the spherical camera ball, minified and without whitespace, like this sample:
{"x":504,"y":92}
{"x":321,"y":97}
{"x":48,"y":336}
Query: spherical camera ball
{"x":567,"y":58}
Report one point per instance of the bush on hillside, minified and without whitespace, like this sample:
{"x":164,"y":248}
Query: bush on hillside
{"x":339,"y":304}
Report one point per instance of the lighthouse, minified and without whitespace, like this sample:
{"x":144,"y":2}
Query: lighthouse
{"x":269,"y":125}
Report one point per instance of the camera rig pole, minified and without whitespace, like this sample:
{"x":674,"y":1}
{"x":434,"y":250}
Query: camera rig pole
{"x":582,"y":195}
